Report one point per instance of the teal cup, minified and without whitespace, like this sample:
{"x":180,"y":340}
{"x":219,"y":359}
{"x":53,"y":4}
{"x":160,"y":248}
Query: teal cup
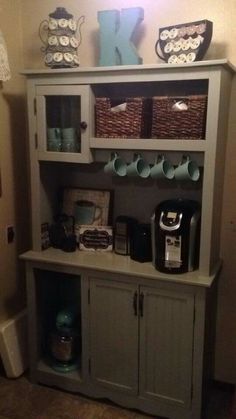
{"x":68,"y":134}
{"x":54,"y":133}
{"x":68,"y":147}
{"x":138,"y":168}
{"x":54,"y":145}
{"x":86,"y":212}
{"x":69,"y":140}
{"x":53,"y":139}
{"x":187,"y":170}
{"x":115,"y":166}
{"x":162,"y":169}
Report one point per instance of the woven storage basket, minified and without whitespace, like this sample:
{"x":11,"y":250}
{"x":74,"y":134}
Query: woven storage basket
{"x":179,"y":117}
{"x":129,"y":123}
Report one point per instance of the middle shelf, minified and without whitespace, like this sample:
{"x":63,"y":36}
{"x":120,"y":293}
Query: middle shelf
{"x":148,"y":144}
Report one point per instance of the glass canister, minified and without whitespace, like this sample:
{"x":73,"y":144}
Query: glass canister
{"x":63,"y":346}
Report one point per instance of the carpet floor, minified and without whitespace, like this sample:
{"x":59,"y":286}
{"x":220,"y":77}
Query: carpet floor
{"x":20,"y":399}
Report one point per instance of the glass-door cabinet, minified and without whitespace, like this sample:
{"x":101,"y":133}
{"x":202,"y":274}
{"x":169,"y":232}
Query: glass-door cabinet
{"x":63,"y":125}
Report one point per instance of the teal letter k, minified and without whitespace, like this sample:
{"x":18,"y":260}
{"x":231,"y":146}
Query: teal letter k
{"x":116,"y":30}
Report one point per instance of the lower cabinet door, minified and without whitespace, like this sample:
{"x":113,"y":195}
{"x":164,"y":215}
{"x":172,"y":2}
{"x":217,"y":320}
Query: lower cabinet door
{"x":114,"y":334}
{"x":166,"y":345}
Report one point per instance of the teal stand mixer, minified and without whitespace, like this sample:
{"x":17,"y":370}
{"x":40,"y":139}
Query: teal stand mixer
{"x":64,"y":342}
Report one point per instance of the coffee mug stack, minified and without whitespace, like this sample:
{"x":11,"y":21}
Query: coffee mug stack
{"x":54,"y":139}
{"x":162,"y":169}
{"x":68,"y":140}
{"x":62,"y":139}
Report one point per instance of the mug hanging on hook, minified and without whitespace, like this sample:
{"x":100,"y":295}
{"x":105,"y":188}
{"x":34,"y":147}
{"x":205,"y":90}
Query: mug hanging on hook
{"x":61,"y":36}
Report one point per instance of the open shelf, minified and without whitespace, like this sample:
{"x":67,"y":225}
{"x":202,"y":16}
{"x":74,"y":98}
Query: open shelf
{"x":59,"y":320}
{"x":67,"y":381}
{"x":44,"y":367}
{"x":148,"y":144}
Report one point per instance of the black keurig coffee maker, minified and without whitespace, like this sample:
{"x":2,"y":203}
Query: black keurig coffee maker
{"x":175,"y":236}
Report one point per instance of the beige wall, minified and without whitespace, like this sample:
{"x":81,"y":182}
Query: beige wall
{"x":13,"y":202}
{"x":157,"y":13}
{"x":226,"y":336}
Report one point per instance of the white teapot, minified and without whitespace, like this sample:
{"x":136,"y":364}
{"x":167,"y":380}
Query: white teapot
{"x":59,"y":36}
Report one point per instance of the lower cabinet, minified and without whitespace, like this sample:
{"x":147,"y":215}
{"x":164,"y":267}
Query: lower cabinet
{"x":142,"y":340}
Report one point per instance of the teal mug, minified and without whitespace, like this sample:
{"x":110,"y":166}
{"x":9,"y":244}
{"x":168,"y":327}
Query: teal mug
{"x":68,"y":134}
{"x":68,"y":140}
{"x":115,"y":166}
{"x":187,"y":170}
{"x":139,"y":167}
{"x":54,"y":145}
{"x":54,"y":139}
{"x":54,"y":133}
{"x":162,"y":169}
{"x":68,"y":147}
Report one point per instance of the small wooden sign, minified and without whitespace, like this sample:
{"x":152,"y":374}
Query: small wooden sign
{"x":95,"y":238}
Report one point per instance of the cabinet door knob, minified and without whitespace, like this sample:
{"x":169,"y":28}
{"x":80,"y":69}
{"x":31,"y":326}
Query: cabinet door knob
{"x":135,"y":303}
{"x":83,"y":125}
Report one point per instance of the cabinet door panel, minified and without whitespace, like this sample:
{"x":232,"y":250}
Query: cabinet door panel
{"x":166,"y":339}
{"x":114,"y":335}
{"x":63,"y":123}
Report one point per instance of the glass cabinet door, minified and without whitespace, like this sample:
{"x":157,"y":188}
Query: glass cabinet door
{"x":62,"y":114}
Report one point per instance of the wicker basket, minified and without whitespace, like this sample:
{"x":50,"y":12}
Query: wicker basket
{"x":179,"y":117}
{"x":128,"y":123}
